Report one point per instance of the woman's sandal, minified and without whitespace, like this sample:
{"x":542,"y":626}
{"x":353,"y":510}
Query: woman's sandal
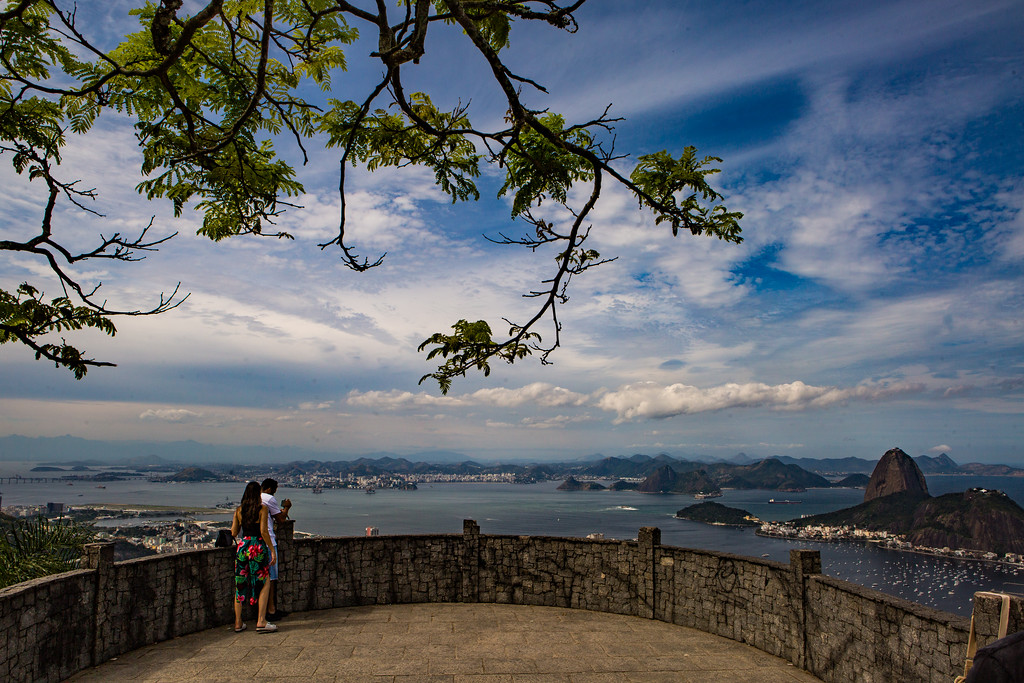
{"x":239,"y":630}
{"x":269,"y":628}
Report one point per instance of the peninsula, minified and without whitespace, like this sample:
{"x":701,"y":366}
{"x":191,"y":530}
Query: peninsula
{"x":897,"y":508}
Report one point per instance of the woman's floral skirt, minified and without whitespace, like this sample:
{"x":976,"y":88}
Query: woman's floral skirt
{"x":252,"y":561}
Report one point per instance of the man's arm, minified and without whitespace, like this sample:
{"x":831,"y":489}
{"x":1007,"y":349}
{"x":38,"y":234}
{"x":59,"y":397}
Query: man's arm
{"x":286,"y":505}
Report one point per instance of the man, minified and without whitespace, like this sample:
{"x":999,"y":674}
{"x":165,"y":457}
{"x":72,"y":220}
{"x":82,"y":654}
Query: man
{"x":277,"y":513}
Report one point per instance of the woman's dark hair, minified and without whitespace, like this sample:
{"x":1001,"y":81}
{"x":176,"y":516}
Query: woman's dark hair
{"x":251,"y":504}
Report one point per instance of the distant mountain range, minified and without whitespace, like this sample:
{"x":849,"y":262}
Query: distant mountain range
{"x":766,"y":474}
{"x":940,"y":464}
{"x":172,"y":456}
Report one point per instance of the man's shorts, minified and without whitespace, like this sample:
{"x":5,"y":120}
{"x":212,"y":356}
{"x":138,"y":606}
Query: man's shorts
{"x":273,"y":567}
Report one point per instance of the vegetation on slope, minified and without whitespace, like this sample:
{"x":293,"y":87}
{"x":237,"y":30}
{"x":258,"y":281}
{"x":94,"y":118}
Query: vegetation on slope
{"x":33,"y":548}
{"x":716,"y":513}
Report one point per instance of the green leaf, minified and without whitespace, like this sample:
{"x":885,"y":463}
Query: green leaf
{"x":537,"y":168}
{"x":33,"y":548}
{"x":678,"y":193}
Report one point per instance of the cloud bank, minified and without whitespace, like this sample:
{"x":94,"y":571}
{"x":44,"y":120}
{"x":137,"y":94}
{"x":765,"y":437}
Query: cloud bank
{"x":170,"y":415}
{"x":537,"y":394}
{"x":651,"y":400}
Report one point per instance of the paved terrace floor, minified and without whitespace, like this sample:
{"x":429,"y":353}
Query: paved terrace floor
{"x":451,"y":643}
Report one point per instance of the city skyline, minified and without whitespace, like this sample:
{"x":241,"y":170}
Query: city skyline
{"x":875,"y":149}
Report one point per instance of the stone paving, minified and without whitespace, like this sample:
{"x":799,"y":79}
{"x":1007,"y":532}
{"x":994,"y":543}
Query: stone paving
{"x":451,"y":643}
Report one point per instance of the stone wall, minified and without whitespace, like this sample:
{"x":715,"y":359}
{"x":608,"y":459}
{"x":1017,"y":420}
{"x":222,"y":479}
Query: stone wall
{"x":47,"y":627}
{"x":752,"y":601}
{"x":603,"y":576}
{"x":157,"y":598}
{"x":58,"y":625}
{"x":857,"y":634}
{"x":322,"y":573}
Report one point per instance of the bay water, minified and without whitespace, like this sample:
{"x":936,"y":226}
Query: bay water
{"x":540,"y":509}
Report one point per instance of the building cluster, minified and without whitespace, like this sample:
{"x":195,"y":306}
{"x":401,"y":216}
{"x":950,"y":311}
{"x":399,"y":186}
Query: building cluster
{"x":391,"y":480}
{"x":897,"y":543}
{"x":884,"y":539}
{"x":164,"y":537}
{"x":31,"y":511}
{"x":159,"y":536}
{"x":821,"y":532}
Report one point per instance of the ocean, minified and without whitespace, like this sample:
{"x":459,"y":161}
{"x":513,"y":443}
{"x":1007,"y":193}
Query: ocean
{"x":540,"y":509}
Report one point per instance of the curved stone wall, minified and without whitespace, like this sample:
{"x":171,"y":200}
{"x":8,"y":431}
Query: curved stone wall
{"x":58,"y":625}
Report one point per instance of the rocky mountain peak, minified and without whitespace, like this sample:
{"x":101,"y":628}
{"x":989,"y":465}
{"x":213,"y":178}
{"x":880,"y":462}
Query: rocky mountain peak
{"x":895,"y":472}
{"x":662,"y":480}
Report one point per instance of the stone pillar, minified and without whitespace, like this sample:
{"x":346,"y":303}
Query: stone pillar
{"x":648,"y":542}
{"x":100,"y":557}
{"x":804,"y":563}
{"x":988,"y":609}
{"x":284,"y":532}
{"x":470,"y":561}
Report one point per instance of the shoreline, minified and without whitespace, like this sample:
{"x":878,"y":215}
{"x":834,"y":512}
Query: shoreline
{"x":881,"y":545}
{"x":140,"y":507}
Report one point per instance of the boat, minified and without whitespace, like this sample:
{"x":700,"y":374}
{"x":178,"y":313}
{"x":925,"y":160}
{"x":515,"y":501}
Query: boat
{"x":370,"y":489}
{"x":318,"y":489}
{"x":784,"y":502}
{"x":711,"y":494}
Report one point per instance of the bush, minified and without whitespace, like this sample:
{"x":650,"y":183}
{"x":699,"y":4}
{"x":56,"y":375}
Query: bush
{"x":38,"y":547}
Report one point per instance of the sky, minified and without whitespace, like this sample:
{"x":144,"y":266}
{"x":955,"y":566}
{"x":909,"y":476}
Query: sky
{"x":876,"y":150}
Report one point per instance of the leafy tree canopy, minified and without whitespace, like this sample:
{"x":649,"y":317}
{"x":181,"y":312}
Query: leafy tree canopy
{"x":209,"y":95}
{"x":37,"y":547}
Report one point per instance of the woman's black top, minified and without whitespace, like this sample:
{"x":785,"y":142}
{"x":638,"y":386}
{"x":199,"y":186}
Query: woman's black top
{"x":251,"y":529}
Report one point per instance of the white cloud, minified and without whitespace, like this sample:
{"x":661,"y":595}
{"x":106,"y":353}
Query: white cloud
{"x":940,"y":449}
{"x":1012,"y":247}
{"x":651,"y":400}
{"x":170,"y":415}
{"x":553,"y":422}
{"x":313,"y":405}
{"x":645,"y":69}
{"x":395,"y":398}
{"x":537,"y":394}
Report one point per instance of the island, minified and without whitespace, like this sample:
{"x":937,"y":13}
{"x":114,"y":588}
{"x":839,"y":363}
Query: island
{"x":574,"y":484}
{"x":193,"y":474}
{"x":716,"y":513}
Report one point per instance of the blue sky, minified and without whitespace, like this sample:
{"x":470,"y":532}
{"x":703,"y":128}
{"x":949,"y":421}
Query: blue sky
{"x":876,"y":149}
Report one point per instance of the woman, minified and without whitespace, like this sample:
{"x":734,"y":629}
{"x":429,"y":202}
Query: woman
{"x":254,"y":554}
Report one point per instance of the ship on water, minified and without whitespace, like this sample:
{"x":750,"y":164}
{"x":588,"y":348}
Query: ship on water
{"x":772,"y":501}
{"x":702,"y":495}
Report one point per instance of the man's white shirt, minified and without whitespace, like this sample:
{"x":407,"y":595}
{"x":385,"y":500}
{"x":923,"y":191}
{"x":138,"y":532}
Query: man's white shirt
{"x":272,"y":509}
